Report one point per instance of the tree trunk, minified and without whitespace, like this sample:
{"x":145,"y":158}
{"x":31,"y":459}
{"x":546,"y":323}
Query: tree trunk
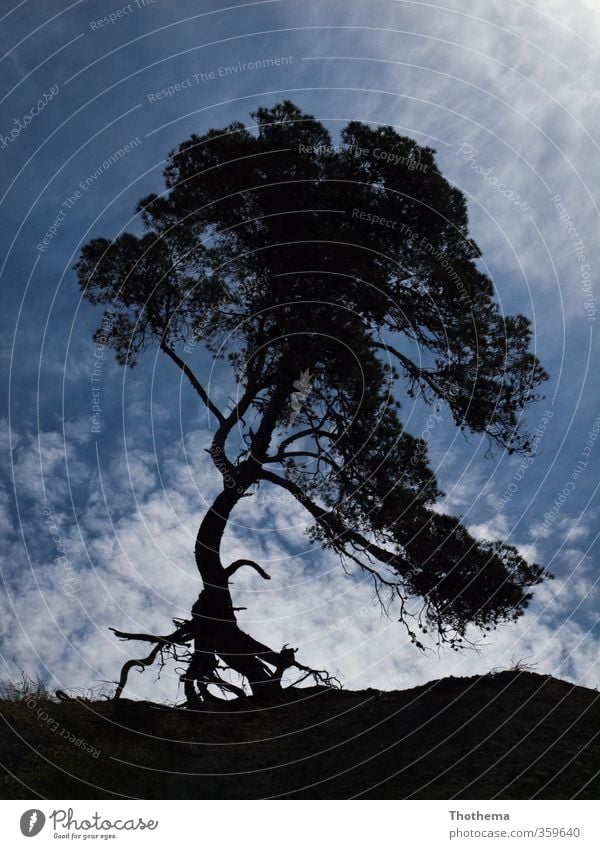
{"x":216,"y":632}
{"x":215,"y":628}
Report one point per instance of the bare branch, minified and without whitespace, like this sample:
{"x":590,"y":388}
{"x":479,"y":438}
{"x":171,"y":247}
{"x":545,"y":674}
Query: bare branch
{"x":309,"y":431}
{"x":320,"y":676}
{"x":237,"y":564}
{"x":194,"y":381}
{"x":415,"y":373}
{"x":144,"y":661}
{"x":337,"y":532}
{"x":180,"y":637}
{"x":288,"y":455}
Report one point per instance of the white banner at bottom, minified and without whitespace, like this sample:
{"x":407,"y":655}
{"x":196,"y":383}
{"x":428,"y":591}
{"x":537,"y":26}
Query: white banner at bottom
{"x":291,"y":824}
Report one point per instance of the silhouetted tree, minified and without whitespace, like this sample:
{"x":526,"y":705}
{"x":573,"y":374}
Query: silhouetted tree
{"x":325,"y":275}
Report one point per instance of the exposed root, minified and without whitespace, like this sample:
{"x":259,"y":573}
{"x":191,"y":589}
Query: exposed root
{"x":261,"y":667}
{"x":141,"y":662}
{"x":320,"y":676}
{"x":180,"y":637}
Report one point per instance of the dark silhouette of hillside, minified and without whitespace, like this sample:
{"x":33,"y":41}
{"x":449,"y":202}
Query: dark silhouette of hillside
{"x":511,"y":735}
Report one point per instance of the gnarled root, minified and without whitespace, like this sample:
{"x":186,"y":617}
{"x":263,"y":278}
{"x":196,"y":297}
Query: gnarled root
{"x":217,"y":635}
{"x":180,"y":637}
{"x":237,"y":650}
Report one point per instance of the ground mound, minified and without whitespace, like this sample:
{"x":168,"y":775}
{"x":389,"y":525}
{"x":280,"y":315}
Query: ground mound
{"x":510,"y":735}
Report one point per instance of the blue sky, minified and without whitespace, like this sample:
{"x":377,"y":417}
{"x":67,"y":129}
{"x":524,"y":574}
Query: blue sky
{"x":509,"y":96}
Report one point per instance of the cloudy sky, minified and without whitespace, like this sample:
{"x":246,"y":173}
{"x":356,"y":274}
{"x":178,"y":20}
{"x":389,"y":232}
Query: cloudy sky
{"x":98,"y":528}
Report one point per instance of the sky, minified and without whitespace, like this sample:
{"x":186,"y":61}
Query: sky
{"x":99,"y":516}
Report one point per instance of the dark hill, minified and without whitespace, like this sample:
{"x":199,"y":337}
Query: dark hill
{"x":511,"y":735}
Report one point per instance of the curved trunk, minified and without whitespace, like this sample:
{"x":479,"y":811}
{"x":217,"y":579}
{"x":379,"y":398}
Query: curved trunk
{"x":214,"y":604}
{"x":215,"y":628}
{"x":216,"y":632}
{"x":210,"y":535}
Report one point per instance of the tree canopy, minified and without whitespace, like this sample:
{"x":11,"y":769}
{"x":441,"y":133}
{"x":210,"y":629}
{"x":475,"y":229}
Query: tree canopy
{"x":334,"y":279}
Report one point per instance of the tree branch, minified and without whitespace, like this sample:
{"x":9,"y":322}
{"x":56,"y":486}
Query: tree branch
{"x":310,"y":431}
{"x":237,"y":564}
{"x":194,"y":381}
{"x":335,"y":528}
{"x":179,"y":637}
{"x":143,"y":662}
{"x":416,"y":374}
{"x":287,"y":455}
